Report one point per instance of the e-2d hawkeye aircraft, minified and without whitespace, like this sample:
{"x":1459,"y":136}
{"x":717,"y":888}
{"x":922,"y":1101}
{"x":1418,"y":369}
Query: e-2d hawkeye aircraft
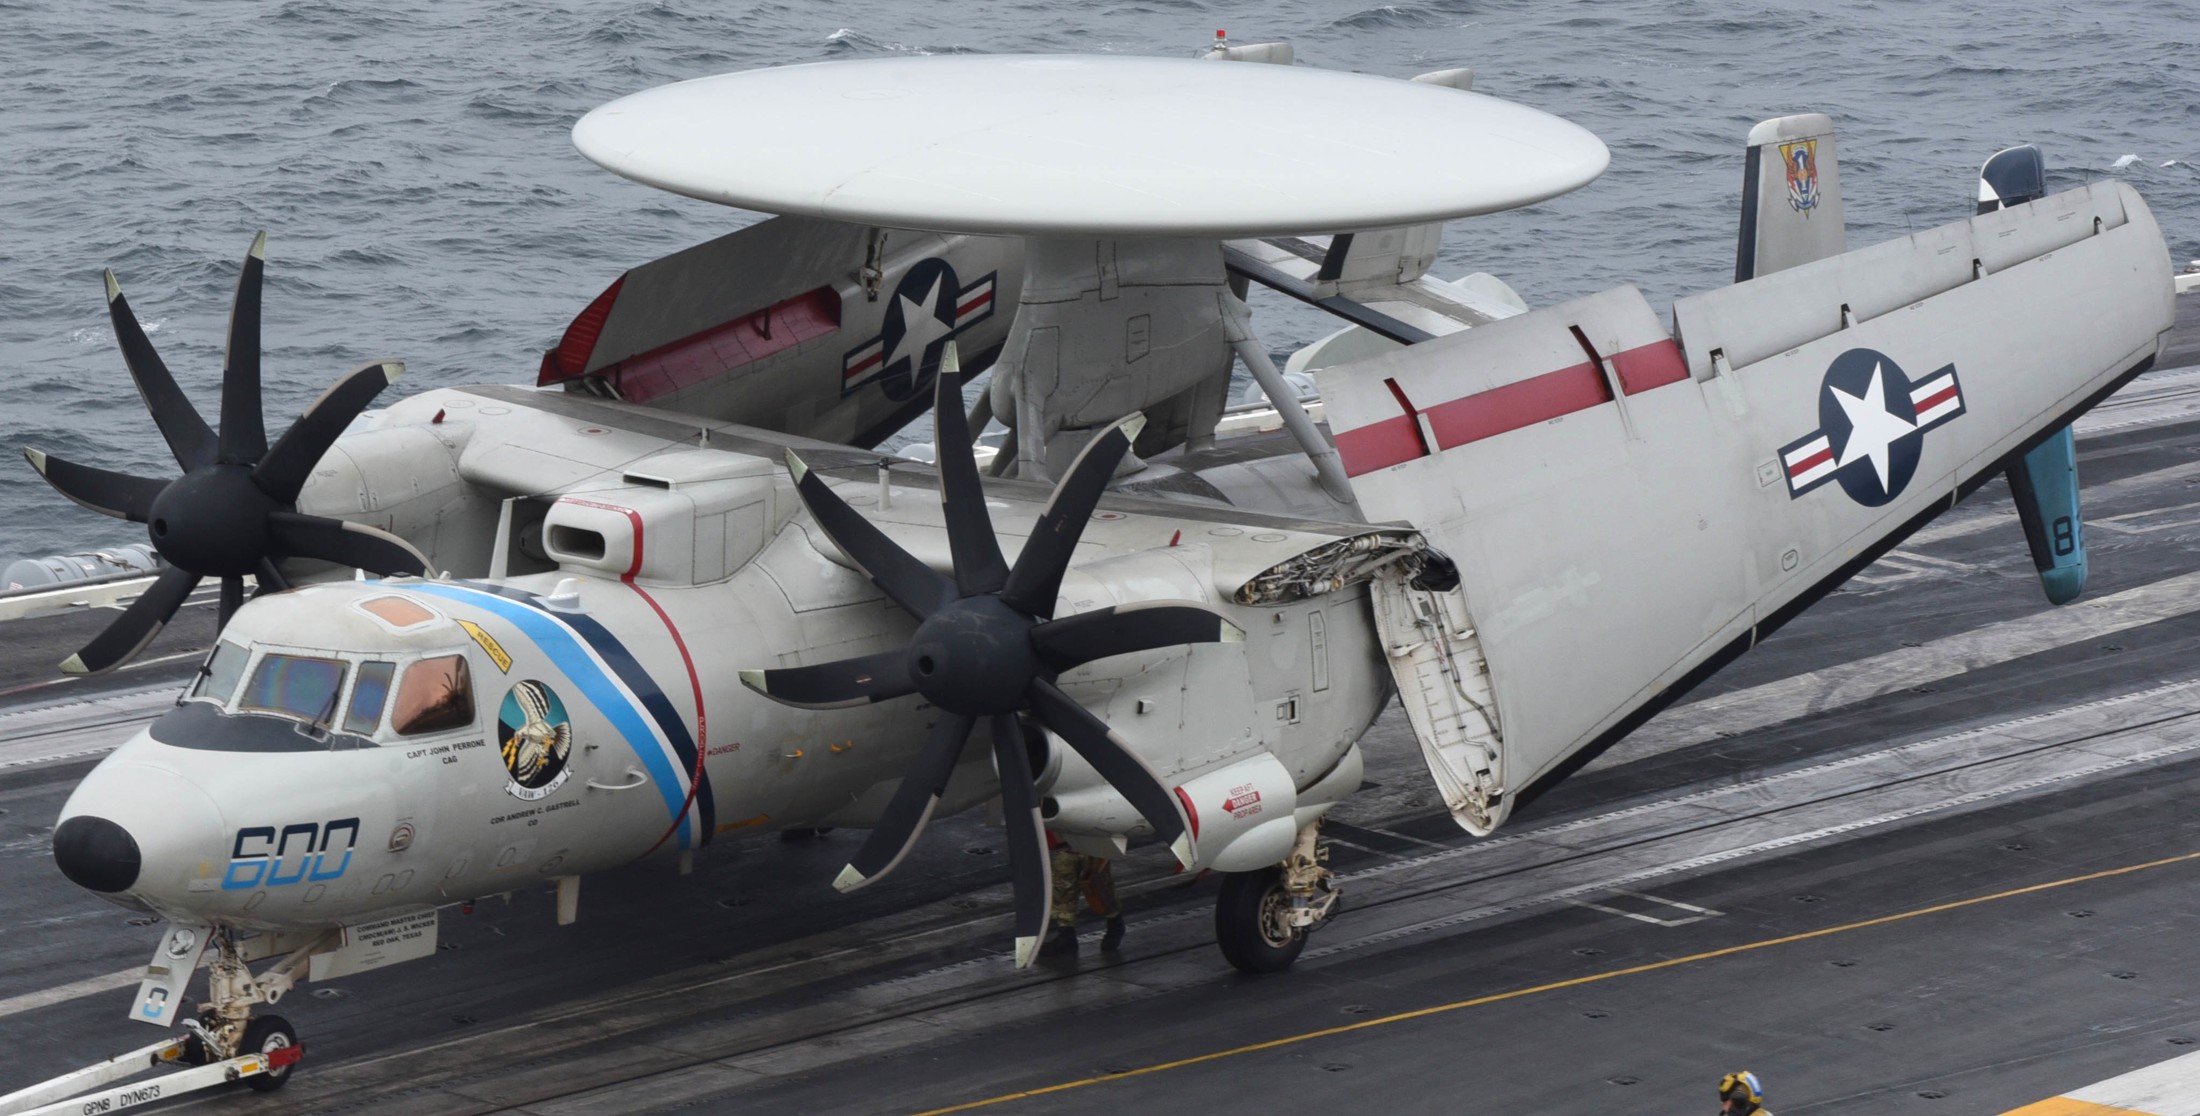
{"x":665,"y":596}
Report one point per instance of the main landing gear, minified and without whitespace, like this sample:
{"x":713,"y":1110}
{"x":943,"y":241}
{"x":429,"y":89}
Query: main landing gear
{"x":1262,"y":917}
{"x":224,"y":1043}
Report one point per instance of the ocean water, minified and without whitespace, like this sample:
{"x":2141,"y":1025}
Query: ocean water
{"x":411,"y":165}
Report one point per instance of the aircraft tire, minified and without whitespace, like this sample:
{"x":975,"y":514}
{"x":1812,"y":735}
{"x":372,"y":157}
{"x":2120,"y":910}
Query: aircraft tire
{"x":1247,"y":937}
{"x":265,"y":1034}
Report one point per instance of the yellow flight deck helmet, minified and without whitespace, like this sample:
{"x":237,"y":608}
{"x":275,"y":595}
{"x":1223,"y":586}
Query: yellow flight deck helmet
{"x":1743,"y":1086}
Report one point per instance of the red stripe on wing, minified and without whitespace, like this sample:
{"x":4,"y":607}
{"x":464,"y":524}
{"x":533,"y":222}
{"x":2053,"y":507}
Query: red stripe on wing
{"x":1521,"y":403}
{"x":1936,"y":399}
{"x":1649,"y":366}
{"x":1809,"y":463}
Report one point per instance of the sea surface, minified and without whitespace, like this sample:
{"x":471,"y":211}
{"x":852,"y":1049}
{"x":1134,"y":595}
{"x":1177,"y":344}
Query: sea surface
{"x":411,"y":165}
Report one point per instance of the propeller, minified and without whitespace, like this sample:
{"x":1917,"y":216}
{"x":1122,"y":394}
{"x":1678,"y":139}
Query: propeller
{"x":234,"y":510}
{"x":988,"y":648}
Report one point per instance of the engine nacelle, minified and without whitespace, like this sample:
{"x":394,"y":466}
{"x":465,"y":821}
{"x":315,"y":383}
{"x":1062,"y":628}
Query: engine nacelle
{"x":1243,"y":814}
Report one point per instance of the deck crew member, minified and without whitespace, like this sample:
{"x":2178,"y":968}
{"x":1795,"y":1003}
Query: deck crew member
{"x":1091,"y":878}
{"x":1741,"y":1094}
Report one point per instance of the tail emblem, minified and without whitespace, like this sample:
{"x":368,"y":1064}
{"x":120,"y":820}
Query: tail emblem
{"x":1872,"y":423}
{"x":1801,"y":160}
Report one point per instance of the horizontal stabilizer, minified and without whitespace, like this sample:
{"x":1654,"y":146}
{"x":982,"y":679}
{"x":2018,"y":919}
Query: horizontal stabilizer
{"x":1791,"y":197}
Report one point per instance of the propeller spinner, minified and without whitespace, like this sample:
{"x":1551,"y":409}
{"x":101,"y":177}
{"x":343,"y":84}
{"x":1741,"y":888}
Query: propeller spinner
{"x":988,"y":648}
{"x":234,"y":510}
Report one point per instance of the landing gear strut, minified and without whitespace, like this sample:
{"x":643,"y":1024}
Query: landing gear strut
{"x":225,"y":1027}
{"x":1262,"y":917}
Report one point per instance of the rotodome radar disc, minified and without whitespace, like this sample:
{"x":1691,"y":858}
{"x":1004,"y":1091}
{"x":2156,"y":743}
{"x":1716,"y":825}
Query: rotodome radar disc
{"x":1090,"y":145}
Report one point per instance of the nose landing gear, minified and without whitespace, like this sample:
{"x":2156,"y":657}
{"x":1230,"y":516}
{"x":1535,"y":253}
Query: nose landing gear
{"x":1262,"y":917}
{"x":225,"y":1027}
{"x":225,"y":1043}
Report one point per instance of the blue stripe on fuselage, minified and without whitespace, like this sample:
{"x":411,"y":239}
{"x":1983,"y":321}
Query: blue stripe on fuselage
{"x":563,"y":647}
{"x":653,"y":699}
{"x":641,"y":683}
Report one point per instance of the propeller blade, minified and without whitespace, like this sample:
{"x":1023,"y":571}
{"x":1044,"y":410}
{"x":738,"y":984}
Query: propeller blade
{"x":244,"y":432}
{"x":283,"y":471}
{"x":1037,"y":577}
{"x":914,"y":586}
{"x":912,"y":805}
{"x":180,"y":425}
{"x":1114,"y":760}
{"x":270,"y":578}
{"x":117,"y":494}
{"x":357,"y":545}
{"x":232,"y":599}
{"x":136,"y":627}
{"x":837,"y":684}
{"x":1121,"y":629}
{"x":978,"y":565}
{"x":1029,"y":866}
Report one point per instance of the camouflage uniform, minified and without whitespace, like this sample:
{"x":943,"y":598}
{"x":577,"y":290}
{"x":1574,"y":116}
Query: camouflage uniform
{"x":1074,"y":872}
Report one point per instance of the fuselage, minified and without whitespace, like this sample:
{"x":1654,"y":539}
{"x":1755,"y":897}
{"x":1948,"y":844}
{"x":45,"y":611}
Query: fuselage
{"x":361,"y":747}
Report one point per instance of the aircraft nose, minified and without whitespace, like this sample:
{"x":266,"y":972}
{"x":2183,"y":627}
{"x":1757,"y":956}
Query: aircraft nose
{"x":140,"y":832}
{"x":96,"y":854}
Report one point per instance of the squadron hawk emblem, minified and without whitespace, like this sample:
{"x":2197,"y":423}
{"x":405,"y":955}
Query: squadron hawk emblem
{"x":535,"y":735}
{"x":929,"y":309}
{"x":1872,"y":423}
{"x":1800,"y":158}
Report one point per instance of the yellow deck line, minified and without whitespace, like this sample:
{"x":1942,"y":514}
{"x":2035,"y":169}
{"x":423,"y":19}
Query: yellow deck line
{"x":1517,"y":993}
{"x":2069,"y":1106}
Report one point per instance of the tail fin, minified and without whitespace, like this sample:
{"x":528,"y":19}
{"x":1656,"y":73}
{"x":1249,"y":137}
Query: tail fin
{"x":2045,"y":485}
{"x":2045,"y":480}
{"x":2014,"y":175}
{"x":1628,"y":511}
{"x":1791,"y":197}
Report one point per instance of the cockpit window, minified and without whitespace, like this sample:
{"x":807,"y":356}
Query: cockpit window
{"x":436,"y":694}
{"x":397,"y":611}
{"x":298,"y":685}
{"x":218,"y":683}
{"x":369,"y":693}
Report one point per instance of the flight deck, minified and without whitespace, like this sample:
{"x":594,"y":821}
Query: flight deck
{"x":1929,"y":849}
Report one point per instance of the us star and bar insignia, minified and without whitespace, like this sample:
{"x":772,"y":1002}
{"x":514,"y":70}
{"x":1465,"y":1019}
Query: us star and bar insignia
{"x":1872,"y":422}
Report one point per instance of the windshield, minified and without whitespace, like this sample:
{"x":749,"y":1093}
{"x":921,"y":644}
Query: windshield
{"x":368,"y":694}
{"x":218,"y":681}
{"x":297,"y":685}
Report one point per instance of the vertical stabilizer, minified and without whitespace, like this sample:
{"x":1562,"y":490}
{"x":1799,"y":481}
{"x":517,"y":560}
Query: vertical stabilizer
{"x":1791,"y":197}
{"x":2014,"y":176}
{"x":2045,"y":480}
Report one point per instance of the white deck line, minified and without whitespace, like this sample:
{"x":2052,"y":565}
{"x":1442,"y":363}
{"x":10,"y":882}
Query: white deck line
{"x":63,"y":993}
{"x":2170,"y":1088}
{"x":1816,"y":691}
